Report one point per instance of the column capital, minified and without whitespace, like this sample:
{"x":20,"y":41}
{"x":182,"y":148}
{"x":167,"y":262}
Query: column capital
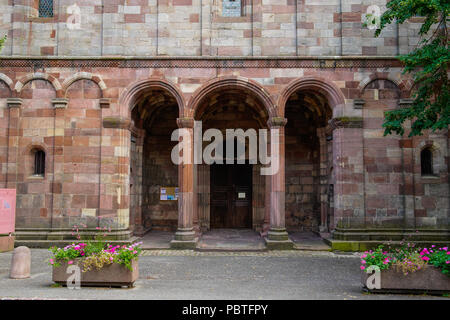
{"x":14,"y":102}
{"x":404,"y":103}
{"x":185,"y":122}
{"x":276,"y":122}
{"x":60,"y":103}
{"x":116,"y":123}
{"x":346,"y":122}
{"x":358,"y":103}
{"x":105,"y":103}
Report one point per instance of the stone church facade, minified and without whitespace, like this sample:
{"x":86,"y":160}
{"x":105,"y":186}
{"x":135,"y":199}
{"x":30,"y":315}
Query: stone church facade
{"x":88,"y":104}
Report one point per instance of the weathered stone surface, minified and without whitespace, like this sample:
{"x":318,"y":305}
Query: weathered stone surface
{"x":203,"y":27}
{"x":20,"y":263}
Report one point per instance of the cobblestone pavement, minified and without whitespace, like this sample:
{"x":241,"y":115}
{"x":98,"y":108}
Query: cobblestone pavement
{"x":171,"y":274}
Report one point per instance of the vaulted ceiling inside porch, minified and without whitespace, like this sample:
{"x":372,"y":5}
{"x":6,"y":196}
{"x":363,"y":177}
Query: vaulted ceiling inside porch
{"x":154,"y":110}
{"x":232,"y":105}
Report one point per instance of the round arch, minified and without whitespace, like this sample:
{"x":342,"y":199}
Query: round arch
{"x":39,"y":76}
{"x":405,"y":86}
{"x":223,"y":83}
{"x":132,"y":93}
{"x":7,"y":80}
{"x":327,"y":88}
{"x":84,"y":76}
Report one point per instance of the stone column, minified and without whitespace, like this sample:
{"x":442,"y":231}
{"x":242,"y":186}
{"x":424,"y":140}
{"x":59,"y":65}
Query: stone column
{"x":277,"y":237}
{"x":57,"y":178}
{"x":348,"y":153}
{"x":185,"y":235}
{"x":136,"y":160}
{"x":12,"y":158}
{"x":323,"y":177}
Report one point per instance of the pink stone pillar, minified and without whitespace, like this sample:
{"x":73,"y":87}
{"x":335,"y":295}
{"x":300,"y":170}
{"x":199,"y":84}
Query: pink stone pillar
{"x":348,"y":153}
{"x":323,"y":176}
{"x":277,"y":231}
{"x":185,"y":235}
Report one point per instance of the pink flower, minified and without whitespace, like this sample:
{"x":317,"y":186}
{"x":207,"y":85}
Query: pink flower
{"x":363,"y":261}
{"x":362,"y":268}
{"x":425,"y":258}
{"x":447,"y":262}
{"x":70,"y":262}
{"x":364,"y":255}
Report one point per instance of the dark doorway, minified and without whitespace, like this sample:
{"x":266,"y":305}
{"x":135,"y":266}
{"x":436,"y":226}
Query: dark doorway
{"x":231,"y":196}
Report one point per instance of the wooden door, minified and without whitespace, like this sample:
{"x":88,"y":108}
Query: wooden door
{"x":231,"y":196}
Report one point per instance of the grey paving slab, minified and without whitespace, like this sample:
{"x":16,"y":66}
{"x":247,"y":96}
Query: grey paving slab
{"x":170,"y":274}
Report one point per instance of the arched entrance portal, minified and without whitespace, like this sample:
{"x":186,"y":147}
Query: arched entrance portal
{"x":231,"y":195}
{"x":153,"y":176}
{"x":307,"y":165}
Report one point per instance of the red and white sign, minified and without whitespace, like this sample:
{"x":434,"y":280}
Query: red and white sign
{"x":7,"y":210}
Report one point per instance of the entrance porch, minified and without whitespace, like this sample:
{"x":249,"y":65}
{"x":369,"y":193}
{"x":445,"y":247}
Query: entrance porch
{"x":233,"y":240}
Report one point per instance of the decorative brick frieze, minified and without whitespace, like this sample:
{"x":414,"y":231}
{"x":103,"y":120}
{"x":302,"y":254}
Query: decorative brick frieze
{"x":204,"y":62}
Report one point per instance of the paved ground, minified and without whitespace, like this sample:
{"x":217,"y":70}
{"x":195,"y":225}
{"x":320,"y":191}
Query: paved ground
{"x":234,"y":240}
{"x":170,"y":274}
{"x":231,"y":239}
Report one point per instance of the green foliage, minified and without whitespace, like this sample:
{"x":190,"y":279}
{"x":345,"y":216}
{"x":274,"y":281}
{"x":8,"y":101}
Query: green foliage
{"x":428,"y":63}
{"x":94,"y":254}
{"x":438,"y":257}
{"x":408,"y":258}
{"x":2,"y":42}
{"x":379,"y":258}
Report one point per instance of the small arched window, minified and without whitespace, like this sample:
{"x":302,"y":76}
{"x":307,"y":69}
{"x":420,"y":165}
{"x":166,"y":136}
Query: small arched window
{"x":39,"y":163}
{"x":45,"y":8}
{"x":426,"y":161}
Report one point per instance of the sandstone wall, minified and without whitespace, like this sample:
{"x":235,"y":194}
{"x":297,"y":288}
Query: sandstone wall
{"x":200,"y":28}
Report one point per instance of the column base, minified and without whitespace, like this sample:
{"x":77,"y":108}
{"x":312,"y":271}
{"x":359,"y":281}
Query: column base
{"x":184,"y":239}
{"x":184,"y":245}
{"x":279,"y":245}
{"x":278,"y":239}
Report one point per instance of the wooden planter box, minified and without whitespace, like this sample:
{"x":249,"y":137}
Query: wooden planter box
{"x":430,"y":280}
{"x":113,"y":275}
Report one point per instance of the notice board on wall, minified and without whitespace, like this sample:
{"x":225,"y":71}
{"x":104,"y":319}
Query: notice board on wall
{"x":7,"y":211}
{"x":168,"y":193}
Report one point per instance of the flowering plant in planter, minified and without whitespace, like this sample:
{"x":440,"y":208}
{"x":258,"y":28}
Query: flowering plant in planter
{"x":407,"y":259}
{"x":95,"y":255}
